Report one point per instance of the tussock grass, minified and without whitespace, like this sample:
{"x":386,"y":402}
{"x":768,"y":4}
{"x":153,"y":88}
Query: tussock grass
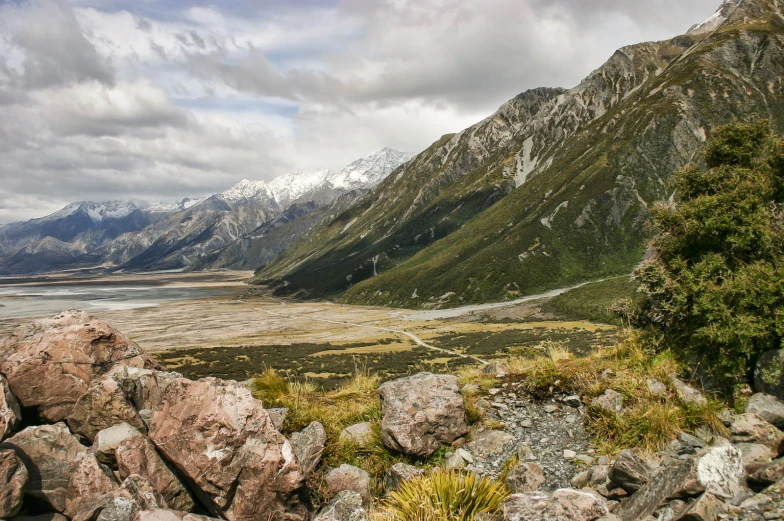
{"x":355,"y":401}
{"x":443,"y":496}
{"x":648,"y":421}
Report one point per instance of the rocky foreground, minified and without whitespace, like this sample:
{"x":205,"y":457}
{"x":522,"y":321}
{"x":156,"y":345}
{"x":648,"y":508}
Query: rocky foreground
{"x":93,"y":429}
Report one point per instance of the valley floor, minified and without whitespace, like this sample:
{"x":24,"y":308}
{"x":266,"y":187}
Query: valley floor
{"x":242,"y":330}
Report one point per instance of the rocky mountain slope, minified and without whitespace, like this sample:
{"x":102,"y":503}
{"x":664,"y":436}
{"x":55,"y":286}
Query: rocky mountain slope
{"x":553,"y":188}
{"x":191,"y":232}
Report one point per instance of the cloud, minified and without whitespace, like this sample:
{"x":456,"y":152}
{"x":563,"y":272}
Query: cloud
{"x":115,"y":99}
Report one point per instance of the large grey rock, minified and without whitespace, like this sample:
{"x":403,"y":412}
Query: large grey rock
{"x":347,"y":477}
{"x":13,"y":478}
{"x":346,"y":506}
{"x":398,"y":474}
{"x":769,"y":374}
{"x":610,"y":401}
{"x":686,"y":393}
{"x":136,"y":455}
{"x":50,"y":363}
{"x":421,"y":412}
{"x":751,"y":428}
{"x":768,"y":407}
{"x":631,"y":471}
{"x":561,"y":505}
{"x":308,"y":445}
{"x":224,"y":444}
{"x":10,"y":413}
{"x":524,"y":477}
{"x":107,"y":440}
{"x":51,"y":454}
{"x":278,"y":416}
{"x":718,"y":470}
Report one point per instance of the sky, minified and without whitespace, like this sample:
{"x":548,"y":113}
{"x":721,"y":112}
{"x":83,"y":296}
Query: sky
{"x":162,"y":99}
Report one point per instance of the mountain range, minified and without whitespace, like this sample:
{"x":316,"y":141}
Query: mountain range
{"x":133,"y":235}
{"x":555,"y":187}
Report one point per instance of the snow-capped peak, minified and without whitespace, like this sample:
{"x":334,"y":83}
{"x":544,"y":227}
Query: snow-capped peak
{"x":370,"y":170}
{"x":246,"y":191}
{"x":717,"y":18}
{"x":289,"y":187}
{"x":97,"y":211}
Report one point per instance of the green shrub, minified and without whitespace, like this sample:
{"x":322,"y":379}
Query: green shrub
{"x":715,"y":290}
{"x":445,"y":496}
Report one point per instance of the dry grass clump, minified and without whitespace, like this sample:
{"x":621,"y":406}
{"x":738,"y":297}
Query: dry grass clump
{"x":444,"y":496}
{"x":648,"y":421}
{"x":355,"y":401}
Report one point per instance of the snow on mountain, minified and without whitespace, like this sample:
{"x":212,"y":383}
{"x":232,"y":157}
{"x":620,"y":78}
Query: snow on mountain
{"x":716,"y":19}
{"x":97,"y":211}
{"x":363,"y":173}
{"x":370,"y":170}
{"x":289,"y":187}
{"x":172,"y":206}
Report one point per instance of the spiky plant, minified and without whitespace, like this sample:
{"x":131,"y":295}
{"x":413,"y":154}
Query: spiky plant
{"x":445,"y":496}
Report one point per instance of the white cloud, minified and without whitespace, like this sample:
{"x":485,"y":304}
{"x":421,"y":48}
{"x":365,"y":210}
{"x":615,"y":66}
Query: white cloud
{"x":114,"y":99}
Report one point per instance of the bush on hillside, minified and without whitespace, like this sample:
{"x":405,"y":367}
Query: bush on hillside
{"x":715,"y":289}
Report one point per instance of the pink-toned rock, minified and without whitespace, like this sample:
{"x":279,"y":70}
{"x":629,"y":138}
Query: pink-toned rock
{"x":51,"y":454}
{"x":348,"y":477}
{"x":563,"y":504}
{"x":421,"y":412}
{"x":10,"y":414}
{"x":103,"y":405}
{"x":50,"y":363}
{"x":137,"y":455}
{"x":223,"y":441}
{"x":13,"y":478}
{"x":162,"y":514}
{"x":751,"y":428}
{"x":122,"y":503}
{"x":88,"y":481}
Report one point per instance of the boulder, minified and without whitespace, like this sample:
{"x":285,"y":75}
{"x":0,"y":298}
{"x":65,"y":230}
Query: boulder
{"x":50,"y":363}
{"x":42,"y":517}
{"x":686,"y":393}
{"x":751,"y":428}
{"x":107,"y":440}
{"x":489,"y":442}
{"x":524,"y":477}
{"x":347,"y":477}
{"x":360,"y":434}
{"x":136,"y":455}
{"x":631,"y":471}
{"x":454,"y":461}
{"x":768,"y":474}
{"x":308,"y":445}
{"x":421,"y":412}
{"x":164,"y":514}
{"x":400,"y":473}
{"x":10,"y":413}
{"x":51,"y":454}
{"x":121,"y":504}
{"x":767,"y":407}
{"x":563,"y":504}
{"x":103,"y":405}
{"x":769,"y":373}
{"x":718,"y":470}
{"x":706,"y":508}
{"x":278,"y":416}
{"x":656,"y":387}
{"x":144,"y":388}
{"x":13,"y":478}
{"x":224,"y":443}
{"x":755,"y":455}
{"x":89,"y":481}
{"x":610,"y":401}
{"x":346,"y":506}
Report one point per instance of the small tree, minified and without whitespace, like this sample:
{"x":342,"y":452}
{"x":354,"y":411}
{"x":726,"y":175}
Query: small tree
{"x":715,"y":289}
